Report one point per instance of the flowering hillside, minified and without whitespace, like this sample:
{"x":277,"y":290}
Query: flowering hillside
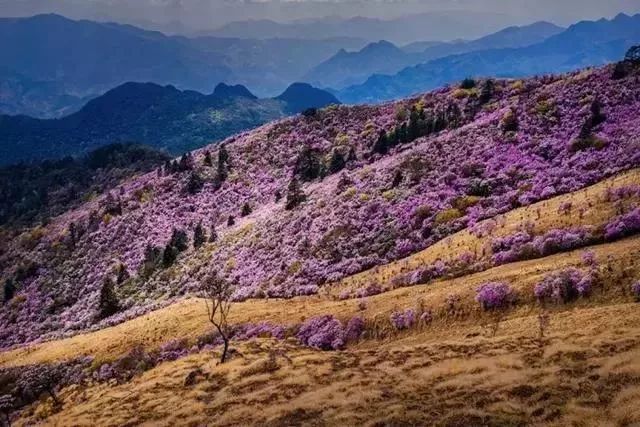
{"x":300,"y":203}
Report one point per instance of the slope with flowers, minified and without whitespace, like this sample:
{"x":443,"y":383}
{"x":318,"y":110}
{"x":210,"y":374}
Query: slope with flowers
{"x":487,"y":150}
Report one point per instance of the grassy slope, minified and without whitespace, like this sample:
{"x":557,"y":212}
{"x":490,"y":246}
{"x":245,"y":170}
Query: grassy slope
{"x":589,"y":374}
{"x":188,"y":318}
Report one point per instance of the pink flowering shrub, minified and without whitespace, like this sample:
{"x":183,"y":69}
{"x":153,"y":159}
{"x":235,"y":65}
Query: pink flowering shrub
{"x":354,"y":329}
{"x":564,"y":286}
{"x":403,"y":319}
{"x":322,"y":332}
{"x":495,"y":296}
{"x":623,"y":225}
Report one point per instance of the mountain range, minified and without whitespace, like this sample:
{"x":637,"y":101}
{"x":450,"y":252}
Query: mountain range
{"x":348,"y":68}
{"x":588,"y":43}
{"x":52,"y":65}
{"x":162,"y":117}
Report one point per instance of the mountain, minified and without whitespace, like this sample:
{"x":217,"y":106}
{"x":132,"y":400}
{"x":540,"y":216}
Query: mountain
{"x":350,"y":68}
{"x":162,"y":117}
{"x":301,"y":205}
{"x":301,"y":96}
{"x":440,"y":25}
{"x":588,"y":43}
{"x":52,"y":65}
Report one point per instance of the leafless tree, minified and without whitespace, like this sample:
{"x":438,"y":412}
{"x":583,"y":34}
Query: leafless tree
{"x":216,"y":292}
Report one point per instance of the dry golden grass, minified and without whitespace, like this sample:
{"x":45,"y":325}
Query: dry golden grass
{"x":588,"y":375}
{"x":458,"y":371}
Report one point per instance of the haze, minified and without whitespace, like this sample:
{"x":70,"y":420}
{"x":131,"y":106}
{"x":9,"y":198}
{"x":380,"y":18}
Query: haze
{"x":192,"y":16}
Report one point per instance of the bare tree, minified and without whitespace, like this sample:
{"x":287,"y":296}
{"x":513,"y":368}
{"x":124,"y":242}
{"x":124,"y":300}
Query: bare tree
{"x":216,"y":292}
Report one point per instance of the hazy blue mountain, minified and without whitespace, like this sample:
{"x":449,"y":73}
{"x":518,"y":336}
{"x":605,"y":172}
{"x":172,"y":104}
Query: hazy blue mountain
{"x":441,"y":25}
{"x":588,"y":43}
{"x":349,"y":68}
{"x":52,"y":65}
{"x":300,"y":96}
{"x":162,"y":117}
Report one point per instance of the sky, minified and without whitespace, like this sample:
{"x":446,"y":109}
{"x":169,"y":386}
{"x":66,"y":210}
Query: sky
{"x":201,"y":15}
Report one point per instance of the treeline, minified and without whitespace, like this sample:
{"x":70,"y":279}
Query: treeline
{"x":32,"y":193}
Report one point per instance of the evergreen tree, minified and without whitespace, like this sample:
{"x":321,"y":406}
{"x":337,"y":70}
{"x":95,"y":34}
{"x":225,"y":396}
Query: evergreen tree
{"x":397,"y":178}
{"x":246,"y":210}
{"x":9,"y":290}
{"x":207,"y":159}
{"x":108,"y":304}
{"x":199,"y":236}
{"x":152,"y":259}
{"x":486,"y":93}
{"x":122,"y":274}
{"x":195,"y":183}
{"x":414,"y":129}
{"x":337,"y":162}
{"x":231,"y":221}
{"x":223,"y":164}
{"x":308,"y":166}
{"x":596,"y":113}
{"x":381,"y":146}
{"x":352,"y":157}
{"x":295,"y":196}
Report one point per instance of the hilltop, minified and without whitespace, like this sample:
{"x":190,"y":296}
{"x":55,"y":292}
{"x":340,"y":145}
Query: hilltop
{"x":162,"y":117}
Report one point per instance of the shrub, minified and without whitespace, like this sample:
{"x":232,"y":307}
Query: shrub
{"x":447,"y":216}
{"x":468,"y":83}
{"x":369,"y":290}
{"x":322,"y":332}
{"x":403,"y":319}
{"x":623,"y":225}
{"x":246,"y":210}
{"x":354,"y":329}
{"x":563,"y":286}
{"x":194,"y":184}
{"x":337,"y":162}
{"x":495,"y":295}
{"x":509,"y":122}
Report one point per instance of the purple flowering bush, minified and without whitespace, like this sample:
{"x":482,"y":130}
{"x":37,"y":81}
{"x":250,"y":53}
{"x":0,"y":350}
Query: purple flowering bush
{"x":403,"y":319}
{"x":322,"y":332}
{"x":623,"y":225}
{"x":341,"y":228}
{"x":495,"y":296}
{"x":564,"y":286}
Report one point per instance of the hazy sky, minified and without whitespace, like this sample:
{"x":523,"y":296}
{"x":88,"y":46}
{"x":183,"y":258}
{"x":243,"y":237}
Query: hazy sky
{"x":208,"y":14}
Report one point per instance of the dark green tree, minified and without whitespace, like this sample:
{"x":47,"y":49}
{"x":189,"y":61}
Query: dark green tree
{"x":337,"y":162}
{"x":9,"y":290}
{"x":246,"y":210}
{"x":381,"y":146}
{"x":199,"y":236}
{"x":108,"y":304}
{"x":295,"y":196}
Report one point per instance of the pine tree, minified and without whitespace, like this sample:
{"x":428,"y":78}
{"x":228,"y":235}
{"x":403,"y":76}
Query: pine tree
{"x":381,"y":146}
{"x":9,"y":290}
{"x":207,"y":159}
{"x":246,"y":210}
{"x":231,"y":221}
{"x":295,"y":196}
{"x":337,"y":162}
{"x":195,"y":183}
{"x":108,"y":304}
{"x":199,"y":236}
{"x":213,"y":234}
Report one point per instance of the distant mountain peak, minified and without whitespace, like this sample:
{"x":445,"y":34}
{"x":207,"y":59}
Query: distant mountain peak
{"x":223,"y":90}
{"x":300,"y":96}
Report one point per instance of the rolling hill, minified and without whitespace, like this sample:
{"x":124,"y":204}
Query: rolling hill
{"x":162,"y":117}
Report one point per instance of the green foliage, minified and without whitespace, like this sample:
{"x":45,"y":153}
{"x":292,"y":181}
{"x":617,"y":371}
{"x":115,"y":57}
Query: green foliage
{"x":468,"y":83}
{"x":337,"y":162}
{"x":108,"y":304}
{"x":308,"y":165}
{"x":194,"y":184}
{"x":8,"y":291}
{"x":447,"y":215}
{"x":179,"y":242}
{"x":295,"y":196}
{"x":199,"y":236}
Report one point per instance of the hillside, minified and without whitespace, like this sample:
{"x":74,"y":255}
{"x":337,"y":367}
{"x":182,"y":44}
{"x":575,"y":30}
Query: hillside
{"x":162,"y":117}
{"x":374,"y":184}
{"x":350,"y":68}
{"x":588,"y":43}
